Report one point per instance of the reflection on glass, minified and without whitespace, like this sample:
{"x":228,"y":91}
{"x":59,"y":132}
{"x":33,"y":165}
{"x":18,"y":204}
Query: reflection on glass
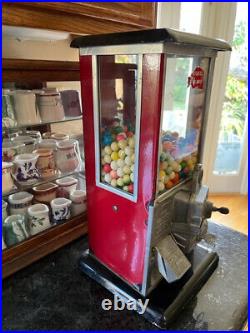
{"x":183,"y":107}
{"x":232,"y":127}
{"x":117,"y":107}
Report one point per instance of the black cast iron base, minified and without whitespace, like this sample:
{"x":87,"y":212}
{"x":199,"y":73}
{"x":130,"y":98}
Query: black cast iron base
{"x":166,"y":300}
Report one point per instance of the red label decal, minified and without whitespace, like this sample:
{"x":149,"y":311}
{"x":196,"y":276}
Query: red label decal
{"x":196,"y":79}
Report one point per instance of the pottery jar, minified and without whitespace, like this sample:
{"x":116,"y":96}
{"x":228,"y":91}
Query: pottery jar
{"x":26,"y":172}
{"x":45,"y":193}
{"x":38,"y":216}
{"x":46,"y":162}
{"x":15,"y":230}
{"x":4,"y":210}
{"x":60,"y":209}
{"x":59,"y":136}
{"x":19,"y":202}
{"x":48,"y":143}
{"x":35,"y":135}
{"x":28,"y":141}
{"x":10,"y":150}
{"x":7,"y":181}
{"x":78,"y":198}
{"x":67,"y":158}
{"x":26,"y":108}
{"x":65,"y":186}
{"x":50,"y":106}
{"x":71,"y":103}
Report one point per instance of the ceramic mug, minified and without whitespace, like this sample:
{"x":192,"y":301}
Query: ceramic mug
{"x":46,"y":162}
{"x":38,"y":218}
{"x":28,"y":141}
{"x":15,"y":230}
{"x":65,"y":186}
{"x":59,"y":136}
{"x":19,"y":202}
{"x":35,"y":135}
{"x":78,"y":198}
{"x":26,"y":172}
{"x":50,"y":106}
{"x":4,"y":210}
{"x":71,"y":103}
{"x":10,"y":150}
{"x":26,"y":107}
{"x":7,"y":181}
{"x":60,"y":209}
{"x":67,"y":157}
{"x":45,"y":193}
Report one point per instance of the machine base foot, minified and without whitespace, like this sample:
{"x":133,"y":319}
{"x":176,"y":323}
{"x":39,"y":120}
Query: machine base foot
{"x":166,"y":300}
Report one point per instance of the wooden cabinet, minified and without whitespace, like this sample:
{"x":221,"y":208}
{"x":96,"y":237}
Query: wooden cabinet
{"x":81,"y":17}
{"x":35,"y":73}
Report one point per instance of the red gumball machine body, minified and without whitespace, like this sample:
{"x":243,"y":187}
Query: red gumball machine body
{"x":145,"y":97}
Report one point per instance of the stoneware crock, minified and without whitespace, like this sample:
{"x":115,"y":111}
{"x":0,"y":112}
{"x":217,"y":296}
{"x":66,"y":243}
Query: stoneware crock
{"x":45,"y":193}
{"x":26,"y":171}
{"x":19,"y":202}
{"x":15,"y":230}
{"x":60,"y":209}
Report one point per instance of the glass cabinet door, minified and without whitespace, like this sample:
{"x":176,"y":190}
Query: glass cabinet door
{"x":182,"y":114}
{"x":117,"y":121}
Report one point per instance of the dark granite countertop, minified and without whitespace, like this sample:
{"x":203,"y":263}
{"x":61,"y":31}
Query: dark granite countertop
{"x":53,"y":294}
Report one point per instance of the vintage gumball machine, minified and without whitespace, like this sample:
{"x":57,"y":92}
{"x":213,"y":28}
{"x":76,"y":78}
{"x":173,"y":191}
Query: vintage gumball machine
{"x":145,"y":99}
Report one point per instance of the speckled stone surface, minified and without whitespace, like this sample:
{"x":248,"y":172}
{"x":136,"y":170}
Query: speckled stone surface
{"x":53,"y":294}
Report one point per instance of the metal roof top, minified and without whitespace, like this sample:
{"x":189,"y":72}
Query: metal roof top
{"x":150,"y":36}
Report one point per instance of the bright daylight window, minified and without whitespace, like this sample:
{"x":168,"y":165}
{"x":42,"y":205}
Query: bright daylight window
{"x":234,"y":114}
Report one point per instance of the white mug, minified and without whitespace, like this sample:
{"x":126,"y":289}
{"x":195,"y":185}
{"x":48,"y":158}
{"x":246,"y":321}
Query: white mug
{"x":26,"y":108}
{"x":38,"y":218}
{"x":78,"y":198}
{"x":19,"y":202}
{"x":61,"y":209}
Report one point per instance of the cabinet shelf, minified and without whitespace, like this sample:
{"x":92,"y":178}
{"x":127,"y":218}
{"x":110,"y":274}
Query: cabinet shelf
{"x":66,"y":119}
{"x":36,"y":247}
{"x":43,"y":181}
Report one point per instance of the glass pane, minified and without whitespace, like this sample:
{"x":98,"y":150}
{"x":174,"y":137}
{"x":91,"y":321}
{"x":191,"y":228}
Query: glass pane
{"x":231,"y":135}
{"x":117,"y":96}
{"x":184,"y":99}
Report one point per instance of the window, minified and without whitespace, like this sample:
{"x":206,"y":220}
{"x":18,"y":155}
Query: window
{"x":118,"y":132}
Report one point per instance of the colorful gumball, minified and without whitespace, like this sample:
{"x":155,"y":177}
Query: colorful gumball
{"x":114,"y":146}
{"x":176,"y":178}
{"x":186,"y":170}
{"x":132,"y":177}
{"x":125,"y":188}
{"x":126,"y":179}
{"x":133,"y":158}
{"x":169,"y":170}
{"x":107,"y":159}
{"x":128,"y":161}
{"x":130,"y":134}
{"x":162,"y":175}
{"x":131,"y":188}
{"x":106,"y":168}
{"x":131,"y":142}
{"x":108,"y":150}
{"x":120,"y":172}
{"x":132,"y":168}
{"x":103,"y":153}
{"x":113,"y":174}
{"x":113,"y":165}
{"x":107,"y":178}
{"x":121,"y":154}
{"x":126,"y":170}
{"x":114,"y":156}
{"x":120,"y":136}
{"x":161,"y":186}
{"x":163,"y":156}
{"x":122,"y":144}
{"x":169,"y":184}
{"x":172,"y":175}
{"x":113,"y":183}
{"x":120,"y":163}
{"x":102,"y":161}
{"x":128,"y":151}
{"x":120,"y":182}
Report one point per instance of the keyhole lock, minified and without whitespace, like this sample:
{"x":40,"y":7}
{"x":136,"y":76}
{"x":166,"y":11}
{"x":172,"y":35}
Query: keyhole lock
{"x":115,"y":208}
